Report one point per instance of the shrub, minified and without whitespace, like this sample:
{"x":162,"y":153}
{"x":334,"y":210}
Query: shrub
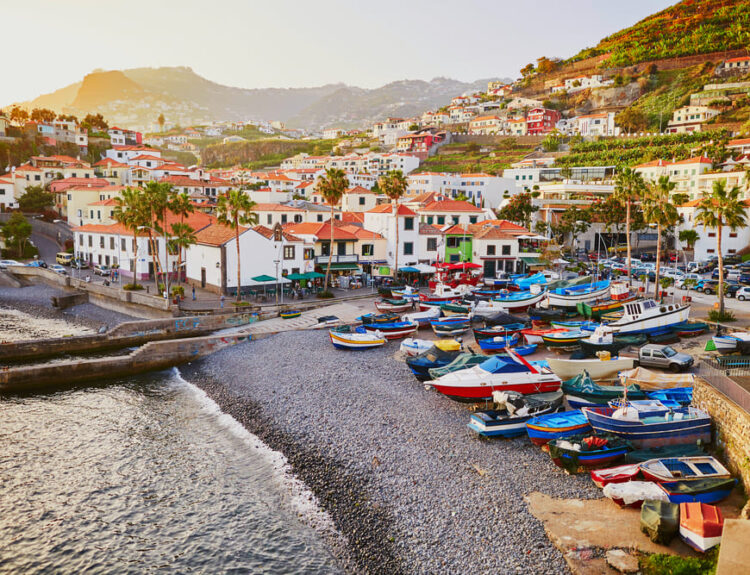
{"x":178,"y":290}
{"x":240,"y":303}
{"x":715,"y":315}
{"x":663,"y":564}
{"x":325,"y":295}
{"x":132,"y":287}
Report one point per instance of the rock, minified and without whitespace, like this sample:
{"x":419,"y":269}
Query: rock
{"x":622,"y":561}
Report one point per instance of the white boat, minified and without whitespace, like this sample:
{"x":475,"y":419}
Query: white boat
{"x":511,"y":301}
{"x":412,"y":346}
{"x":648,"y":316}
{"x":356,"y":339}
{"x":407,"y":293}
{"x":446,"y":291}
{"x":570,"y":297}
{"x":730,"y":341}
{"x":424,"y":317}
{"x":598,"y":369}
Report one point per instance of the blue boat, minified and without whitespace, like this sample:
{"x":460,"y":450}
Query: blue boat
{"x":498,"y":330}
{"x":570,"y":297}
{"x":525,"y":283}
{"x":580,"y":325}
{"x":450,"y":320}
{"x":544,"y":429}
{"x":497,"y":344}
{"x":702,"y":491}
{"x":682,"y":395}
{"x":434,"y":357}
{"x":593,"y":452}
{"x":509,"y":419}
{"x":521,"y":350}
{"x":684,"y":425}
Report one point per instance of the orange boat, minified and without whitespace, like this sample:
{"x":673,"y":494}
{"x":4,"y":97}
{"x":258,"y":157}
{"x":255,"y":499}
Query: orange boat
{"x":701,"y":525}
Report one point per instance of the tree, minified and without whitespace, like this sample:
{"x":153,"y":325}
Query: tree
{"x":95,"y":123}
{"x":518,"y":210}
{"x":629,"y":188}
{"x":18,"y":115}
{"x":332,"y":187}
{"x":17,"y":231}
{"x":131,"y":212}
{"x":574,"y":221}
{"x":545,"y":65}
{"x":689,"y":236}
{"x":632,"y":120}
{"x":182,"y":237}
{"x":541,"y":228}
{"x":233,"y":209}
{"x":394,"y":185}
{"x":42,"y":115}
{"x":180,"y":205}
{"x":156,"y":196}
{"x":716,"y":210}
{"x":551,"y":142}
{"x":161,"y":121}
{"x":659,"y":210}
{"x":35,"y":200}
{"x":528,"y":70}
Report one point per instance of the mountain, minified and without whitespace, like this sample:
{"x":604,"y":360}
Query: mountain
{"x":134,"y":98}
{"x":689,"y":27}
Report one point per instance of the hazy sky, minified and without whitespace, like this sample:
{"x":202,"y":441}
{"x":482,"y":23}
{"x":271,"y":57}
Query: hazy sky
{"x":291,"y":43}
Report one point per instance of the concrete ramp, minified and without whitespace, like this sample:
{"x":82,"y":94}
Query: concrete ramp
{"x":734,"y":554}
{"x":346,"y":312}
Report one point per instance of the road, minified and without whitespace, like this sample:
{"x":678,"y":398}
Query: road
{"x":47,"y":247}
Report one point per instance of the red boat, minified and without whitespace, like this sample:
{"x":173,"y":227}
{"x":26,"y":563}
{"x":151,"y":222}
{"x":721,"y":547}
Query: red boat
{"x":619,"y":474}
{"x":701,"y":525}
{"x":455,"y":274}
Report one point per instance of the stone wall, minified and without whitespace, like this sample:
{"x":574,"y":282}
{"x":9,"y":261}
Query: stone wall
{"x":731,"y":428}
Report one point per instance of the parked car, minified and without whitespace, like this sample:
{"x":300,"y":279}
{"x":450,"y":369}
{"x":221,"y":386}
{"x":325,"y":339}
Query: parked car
{"x":59,"y":269}
{"x":5,"y":263}
{"x":37,"y":264}
{"x":731,"y":287}
{"x":648,"y":257}
{"x":743,"y":293}
{"x":680,"y":283}
{"x":706,"y":286}
{"x":64,"y":258}
{"x":102,"y":270}
{"x":744,"y":278}
{"x":80,"y":264}
{"x":663,"y":356}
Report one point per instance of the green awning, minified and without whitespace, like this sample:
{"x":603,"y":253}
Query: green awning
{"x":341,"y":267}
{"x":314,"y":275}
{"x":532,"y":261}
{"x":296,"y":277}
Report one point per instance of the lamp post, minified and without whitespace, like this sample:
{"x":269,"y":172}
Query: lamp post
{"x":277,"y":262}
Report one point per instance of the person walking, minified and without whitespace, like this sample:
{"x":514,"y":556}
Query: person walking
{"x":193,"y":293}
{"x":221,"y":301}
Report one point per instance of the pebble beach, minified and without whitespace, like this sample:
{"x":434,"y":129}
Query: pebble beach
{"x":410,"y":488}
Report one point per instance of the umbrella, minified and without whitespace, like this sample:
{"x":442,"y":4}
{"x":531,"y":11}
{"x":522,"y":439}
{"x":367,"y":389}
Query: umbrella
{"x":313,"y":275}
{"x":263,"y":279}
{"x":426,"y":269}
{"x":296,"y":277}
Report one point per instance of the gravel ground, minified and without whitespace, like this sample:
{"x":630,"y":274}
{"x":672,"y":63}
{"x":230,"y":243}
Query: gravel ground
{"x":36,"y":300}
{"x":411,"y":489}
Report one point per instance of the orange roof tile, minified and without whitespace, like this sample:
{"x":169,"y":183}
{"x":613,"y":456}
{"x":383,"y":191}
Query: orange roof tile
{"x":450,"y":206}
{"x":275,"y":208}
{"x":216,"y":234}
{"x":696,"y":160}
{"x":388,"y":209}
{"x":458,"y":229}
{"x":320,"y":230}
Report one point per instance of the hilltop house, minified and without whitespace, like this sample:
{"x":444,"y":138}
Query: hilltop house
{"x":690,"y":119}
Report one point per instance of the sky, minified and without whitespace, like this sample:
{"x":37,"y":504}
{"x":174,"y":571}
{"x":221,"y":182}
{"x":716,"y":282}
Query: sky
{"x":298,"y":43}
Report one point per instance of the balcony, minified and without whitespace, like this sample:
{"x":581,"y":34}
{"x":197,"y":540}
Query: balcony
{"x":338,"y":259}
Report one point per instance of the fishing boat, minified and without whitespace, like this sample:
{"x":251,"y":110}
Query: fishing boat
{"x":434,"y":357}
{"x":341,"y":338}
{"x":392,"y":305}
{"x":496,"y":331}
{"x":587,"y":450}
{"x":701,"y":525}
{"x":730,"y":341}
{"x":501,"y":318}
{"x":532,"y":335}
{"x":570,"y":297}
{"x":649,"y":380}
{"x":684,"y":425}
{"x":604,"y":339}
{"x":700,"y":491}
{"x":428,"y":305}
{"x":681,"y":395}
{"x":525,"y":282}
{"x":581,"y":391}
{"x":509,"y":302}
{"x":563,"y":340}
{"x":522,"y":350}
{"x":496,"y":374}
{"x":450,"y":309}
{"x":660,"y":520}
{"x":611,"y":316}
{"x":454,"y":325}
{"x":541,"y":430}
{"x":546,"y":315}
{"x":685,"y":450}
{"x":683,"y":469}
{"x":423,"y":317}
{"x":595,"y":368}
{"x":634,"y":493}
{"x":647,"y":316}
{"x":371,"y":318}
{"x":407,"y":293}
{"x":730,"y":361}
{"x":498,"y":344}
{"x":325,"y":321}
{"x":619,"y":293}
{"x":462,"y":361}
{"x":412,"y":346}
{"x":689,"y":328}
{"x":618,"y":474}
{"x":395,"y":330}
{"x":290,"y":314}
{"x":582,"y":325}
{"x":511,"y":411}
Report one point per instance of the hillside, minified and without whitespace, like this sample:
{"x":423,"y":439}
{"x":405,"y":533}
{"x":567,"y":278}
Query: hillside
{"x":134,"y":98}
{"x":689,"y":27}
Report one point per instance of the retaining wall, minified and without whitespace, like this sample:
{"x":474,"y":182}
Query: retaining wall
{"x":151,"y":357}
{"x":732,"y":427}
{"x":124,"y":335}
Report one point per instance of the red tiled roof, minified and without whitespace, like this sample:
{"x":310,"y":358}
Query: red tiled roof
{"x":275,"y":208}
{"x":268,"y":234}
{"x":353,"y":217}
{"x":458,"y":229}
{"x":196,"y":220}
{"x":654,"y":164}
{"x":740,"y":142}
{"x":320,"y":230}
{"x":429,"y":230}
{"x":216,"y":234}
{"x":451,"y":206}
{"x":358,"y":190}
{"x":111,"y":163}
{"x":361,"y":233}
{"x":109,"y":202}
{"x":388,"y":209}
{"x":696,"y":160}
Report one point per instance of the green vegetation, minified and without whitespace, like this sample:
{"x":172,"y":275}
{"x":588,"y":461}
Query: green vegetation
{"x":683,"y":29}
{"x":261,"y":153}
{"x":629,"y":152}
{"x":17,"y":231}
{"x":467,"y":158}
{"x":184,"y":158}
{"x":132,"y":287}
{"x":665,"y":564}
{"x":35,"y":200}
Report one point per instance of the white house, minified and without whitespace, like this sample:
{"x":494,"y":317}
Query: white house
{"x":690,"y":119}
{"x":7,"y":193}
{"x":597,"y":125}
{"x":732,"y":241}
{"x":450,"y":212}
{"x":383,"y":221}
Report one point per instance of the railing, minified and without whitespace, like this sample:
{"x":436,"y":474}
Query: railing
{"x":723,"y":378}
{"x":338,"y":259}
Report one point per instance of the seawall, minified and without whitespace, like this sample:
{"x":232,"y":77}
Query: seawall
{"x":151,"y":357}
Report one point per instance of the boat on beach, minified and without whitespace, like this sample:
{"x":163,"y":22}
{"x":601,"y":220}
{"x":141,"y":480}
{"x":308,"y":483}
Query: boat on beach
{"x":371,"y":318}
{"x":541,"y":430}
{"x":358,"y":339}
{"x":681,"y":395}
{"x":498,"y":344}
{"x":570,"y":297}
{"x":291,"y":314}
{"x":587,"y":450}
{"x":532,"y":335}
{"x":423,"y":317}
{"x":511,"y":411}
{"x":689,"y":328}
{"x":649,"y":317}
{"x":618,"y":474}
{"x":684,"y":469}
{"x":462,"y":361}
{"x":604,"y":339}
{"x":509,"y":302}
{"x":660,"y":520}
{"x":711,"y":490}
{"x":496,"y":331}
{"x":595,"y":369}
{"x":434,"y":357}
{"x":451,"y":309}
{"x":412,"y":346}
{"x":732,"y":341}
{"x":392,"y":305}
{"x":451,"y":326}
{"x":563,"y":340}
{"x":701,"y":525}
{"x":581,"y":391}
{"x":394,"y":330}
{"x":619,"y":294}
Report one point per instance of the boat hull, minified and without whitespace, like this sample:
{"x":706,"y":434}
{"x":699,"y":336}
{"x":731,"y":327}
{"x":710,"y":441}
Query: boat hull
{"x":544,"y":429}
{"x":393,"y":332}
{"x":483,"y":392}
{"x":572,"y":300}
{"x":597,"y":369}
{"x":341,"y":341}
{"x":653,"y":325}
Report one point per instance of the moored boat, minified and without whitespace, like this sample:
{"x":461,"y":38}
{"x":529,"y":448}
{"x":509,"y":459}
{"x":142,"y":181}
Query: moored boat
{"x":684,"y":469}
{"x":532,"y":335}
{"x":290,"y":314}
{"x":596,"y":369}
{"x":685,"y":450}
{"x":581,"y":325}
{"x":500,"y":330}
{"x":510,"y":302}
{"x":434,"y":357}
{"x":371,"y":318}
{"x":649,"y":317}
{"x":581,"y":391}
{"x":358,"y":339}
{"x":660,"y":520}
{"x":570,"y":297}
{"x":689,"y":328}
{"x":541,"y":430}
{"x":604,"y":339}
{"x":700,"y":491}
{"x":423,"y":317}
{"x":395,"y":330}
{"x":619,"y":295}
{"x":563,"y":340}
{"x":701,"y":525}
{"x":392,"y":305}
{"x":587,"y":450}
{"x":511,"y":411}
{"x":618,"y":474}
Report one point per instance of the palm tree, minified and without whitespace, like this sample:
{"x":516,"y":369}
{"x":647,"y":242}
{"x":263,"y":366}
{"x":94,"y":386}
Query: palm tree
{"x":657,"y":209}
{"x":233,"y":209}
{"x":156,"y":198}
{"x":332,"y":187}
{"x":716,"y":210}
{"x":183,"y":237}
{"x":180,"y":205}
{"x":629,"y":188}
{"x":394,"y":185}
{"x":130,"y":212}
{"x":689,"y":236}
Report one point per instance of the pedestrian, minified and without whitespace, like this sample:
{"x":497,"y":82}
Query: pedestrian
{"x":221,"y":301}
{"x":193,"y":293}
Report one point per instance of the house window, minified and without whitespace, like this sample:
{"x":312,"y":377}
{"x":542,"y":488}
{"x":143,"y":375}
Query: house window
{"x":320,"y":217}
{"x":408,"y":223}
{"x":732,"y":251}
{"x":112,"y":243}
{"x":710,"y":251}
{"x":269,"y":219}
{"x":451,"y":242}
{"x":431,"y":244}
{"x":361,"y":200}
{"x":430,"y":219}
{"x":506,"y":250}
{"x":283,"y":218}
{"x":91,"y":240}
{"x":711,"y":234}
{"x":368,"y":249}
{"x":441,"y":220}
{"x":308,"y":254}
{"x":288,"y":252}
{"x":297,"y":219}
{"x":341,"y":248}
{"x":455,"y":220}
{"x":473,"y":219}
{"x":490,"y":250}
{"x":408,"y":248}
{"x":732,"y":234}
{"x":123,"y":245}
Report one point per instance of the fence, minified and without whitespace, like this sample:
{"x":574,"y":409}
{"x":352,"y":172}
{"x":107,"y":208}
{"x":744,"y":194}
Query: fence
{"x":723,"y":377}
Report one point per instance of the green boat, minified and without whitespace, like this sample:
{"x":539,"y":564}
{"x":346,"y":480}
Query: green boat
{"x":463,"y":361}
{"x":660,"y":520}
{"x":595,"y":310}
{"x":582,"y":391}
{"x":563,"y":340}
{"x":453,"y":309}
